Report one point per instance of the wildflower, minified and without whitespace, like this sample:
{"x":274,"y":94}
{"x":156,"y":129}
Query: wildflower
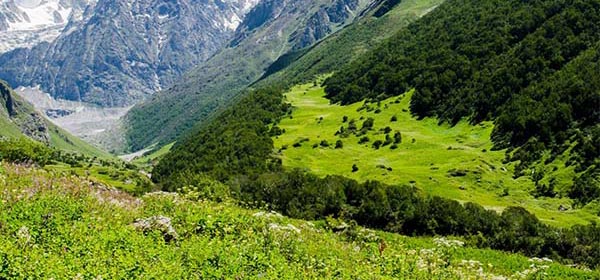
{"x":288,"y":227}
{"x":23,"y":235}
{"x":470,"y":263}
{"x":267,"y":215}
{"x":443,"y":242}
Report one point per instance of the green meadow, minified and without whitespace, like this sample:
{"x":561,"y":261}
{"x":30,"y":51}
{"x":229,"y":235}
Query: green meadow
{"x":456,"y":162}
{"x":150,"y":158}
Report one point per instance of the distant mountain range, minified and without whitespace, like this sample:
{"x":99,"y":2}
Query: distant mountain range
{"x":114,"y":53}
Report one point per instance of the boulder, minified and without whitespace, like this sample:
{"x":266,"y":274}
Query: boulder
{"x":157,"y":223}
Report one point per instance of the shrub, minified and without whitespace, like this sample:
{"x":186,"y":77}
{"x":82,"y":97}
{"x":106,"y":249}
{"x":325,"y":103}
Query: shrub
{"x":24,"y":151}
{"x":397,"y":137}
{"x":368,"y":124}
{"x":377,"y":144}
{"x":388,"y":140}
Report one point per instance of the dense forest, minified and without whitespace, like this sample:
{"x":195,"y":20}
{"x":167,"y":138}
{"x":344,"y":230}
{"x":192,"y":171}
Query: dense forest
{"x":237,"y":142}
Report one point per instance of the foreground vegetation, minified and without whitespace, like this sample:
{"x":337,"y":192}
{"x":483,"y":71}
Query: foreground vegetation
{"x":109,"y":172}
{"x":64,"y":227}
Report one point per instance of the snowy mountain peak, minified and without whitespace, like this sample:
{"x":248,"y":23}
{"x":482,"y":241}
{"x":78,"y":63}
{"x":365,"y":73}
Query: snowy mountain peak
{"x":25,"y":23}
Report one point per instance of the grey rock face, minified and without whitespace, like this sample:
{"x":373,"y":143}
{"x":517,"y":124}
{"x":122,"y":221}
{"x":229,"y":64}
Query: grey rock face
{"x":122,"y":51}
{"x":322,"y":23}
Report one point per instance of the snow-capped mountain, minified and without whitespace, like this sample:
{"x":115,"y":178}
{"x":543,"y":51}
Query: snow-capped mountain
{"x":118,"y":52}
{"x":25,"y":23}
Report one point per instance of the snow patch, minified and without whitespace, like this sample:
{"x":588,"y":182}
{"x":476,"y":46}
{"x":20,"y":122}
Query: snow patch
{"x":30,"y":22}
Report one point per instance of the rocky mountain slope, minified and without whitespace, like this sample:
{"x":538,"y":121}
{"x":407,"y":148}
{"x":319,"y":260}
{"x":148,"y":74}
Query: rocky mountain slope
{"x":19,"y":114}
{"x":19,"y":119}
{"x":380,"y":21}
{"x":271,"y":29}
{"x":122,"y":51}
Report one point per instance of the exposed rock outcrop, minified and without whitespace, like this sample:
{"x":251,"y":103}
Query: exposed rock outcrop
{"x":157,"y":223}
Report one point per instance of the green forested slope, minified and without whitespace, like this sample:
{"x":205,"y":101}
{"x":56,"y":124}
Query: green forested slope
{"x":529,"y":65}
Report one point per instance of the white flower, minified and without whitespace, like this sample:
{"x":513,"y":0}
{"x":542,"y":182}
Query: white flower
{"x":288,"y":227}
{"x":470,"y":263}
{"x":267,"y":215}
{"x":443,"y":242}
{"x":23,"y":234}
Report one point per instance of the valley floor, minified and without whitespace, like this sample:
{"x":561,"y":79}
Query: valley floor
{"x":456,"y":162}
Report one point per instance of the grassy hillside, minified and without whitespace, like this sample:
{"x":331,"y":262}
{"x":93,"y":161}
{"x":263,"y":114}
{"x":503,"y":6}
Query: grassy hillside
{"x":450,"y":161}
{"x":530,"y":74}
{"x":151,"y":158}
{"x":65,"y":141}
{"x":64,"y":227}
{"x":8,"y":128}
